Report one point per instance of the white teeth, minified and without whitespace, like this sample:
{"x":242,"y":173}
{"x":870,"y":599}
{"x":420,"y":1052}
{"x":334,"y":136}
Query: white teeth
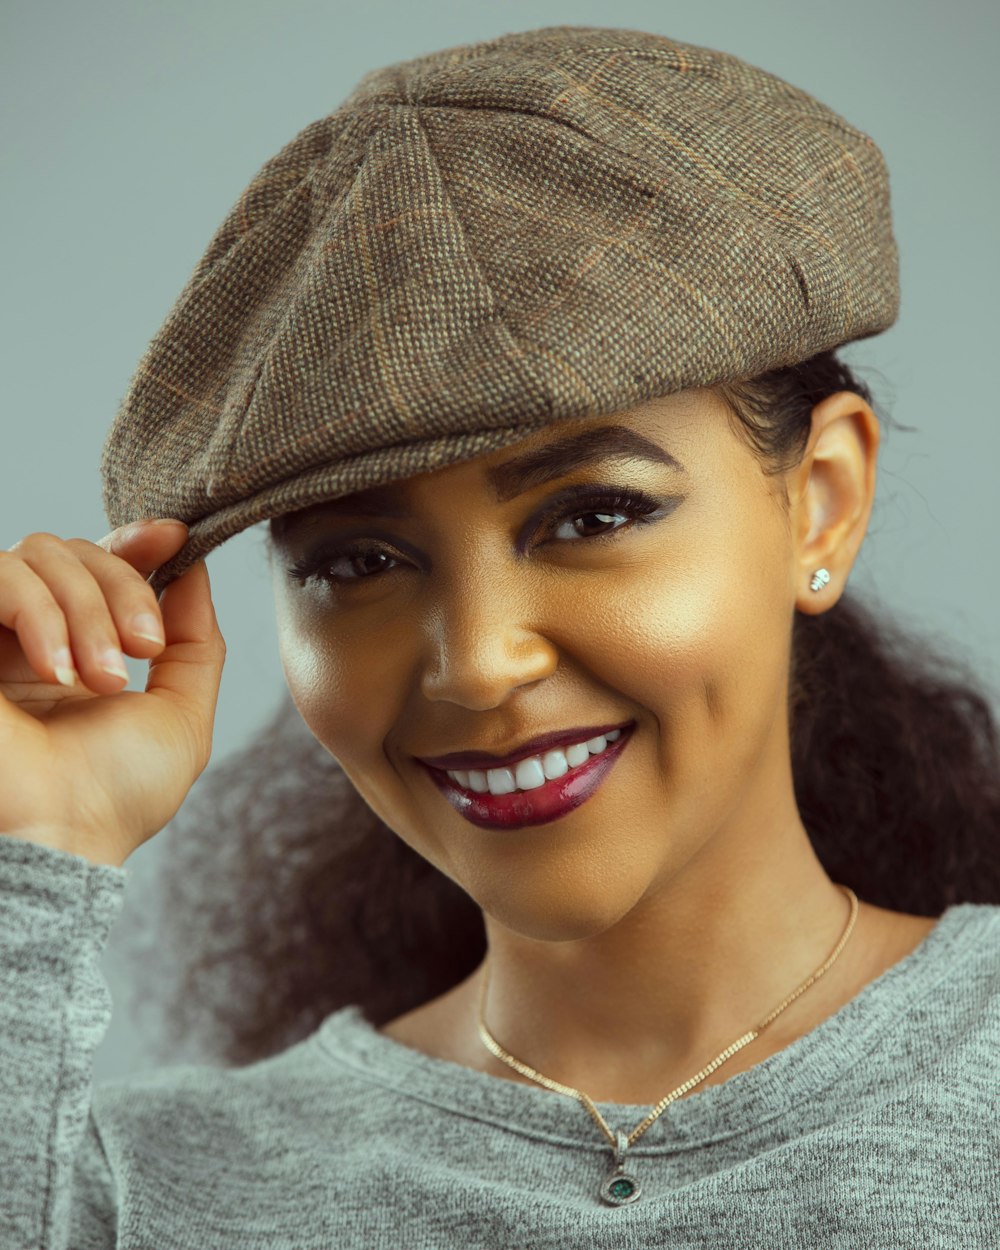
{"x":577,"y":753}
{"x":554,"y":764}
{"x":529,"y":774}
{"x":501,"y":781}
{"x":533,"y":772}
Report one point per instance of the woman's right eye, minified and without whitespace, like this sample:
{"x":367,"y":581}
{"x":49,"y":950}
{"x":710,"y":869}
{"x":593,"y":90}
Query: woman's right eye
{"x":350,"y":564}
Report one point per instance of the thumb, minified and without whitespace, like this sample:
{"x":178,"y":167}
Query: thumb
{"x":188,"y":671}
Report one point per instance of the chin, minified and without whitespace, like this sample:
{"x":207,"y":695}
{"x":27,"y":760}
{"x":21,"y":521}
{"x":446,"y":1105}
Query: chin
{"x":554,"y":912}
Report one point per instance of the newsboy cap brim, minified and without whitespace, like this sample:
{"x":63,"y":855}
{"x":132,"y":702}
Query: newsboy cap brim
{"x":553,"y":224}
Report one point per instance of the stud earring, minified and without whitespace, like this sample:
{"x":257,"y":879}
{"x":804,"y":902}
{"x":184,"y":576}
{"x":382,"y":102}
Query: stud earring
{"x":819,"y":579}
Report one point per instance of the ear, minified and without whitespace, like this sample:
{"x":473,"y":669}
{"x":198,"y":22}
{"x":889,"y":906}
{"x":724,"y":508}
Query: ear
{"x":831,"y":493}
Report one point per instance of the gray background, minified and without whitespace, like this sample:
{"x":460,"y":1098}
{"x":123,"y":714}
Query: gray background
{"x":130,"y":129}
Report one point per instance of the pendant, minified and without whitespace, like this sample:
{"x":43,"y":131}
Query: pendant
{"x":619,"y":1187}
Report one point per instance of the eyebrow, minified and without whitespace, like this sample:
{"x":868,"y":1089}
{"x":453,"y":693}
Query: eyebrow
{"x":510,"y":479}
{"x":605,"y":442}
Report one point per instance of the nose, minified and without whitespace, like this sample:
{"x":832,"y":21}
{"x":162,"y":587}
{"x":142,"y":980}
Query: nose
{"x":482,"y":646}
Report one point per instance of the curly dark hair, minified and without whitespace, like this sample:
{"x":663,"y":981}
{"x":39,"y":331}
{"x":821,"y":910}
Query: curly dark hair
{"x":282,"y":897}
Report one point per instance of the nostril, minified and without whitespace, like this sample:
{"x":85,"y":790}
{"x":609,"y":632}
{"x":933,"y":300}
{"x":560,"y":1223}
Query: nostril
{"x":481,"y":675}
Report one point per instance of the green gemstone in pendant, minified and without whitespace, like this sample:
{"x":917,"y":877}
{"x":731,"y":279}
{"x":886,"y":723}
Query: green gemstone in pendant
{"x":619,"y":1189}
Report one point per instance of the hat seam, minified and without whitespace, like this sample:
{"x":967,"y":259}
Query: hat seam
{"x":308,"y":182}
{"x":765,"y":220}
{"x":768,"y":213}
{"x":687,"y":65}
{"x":289,"y":286}
{"x":520,"y":355}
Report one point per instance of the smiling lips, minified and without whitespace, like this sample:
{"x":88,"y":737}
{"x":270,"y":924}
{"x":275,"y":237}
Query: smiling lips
{"x":536,"y":789}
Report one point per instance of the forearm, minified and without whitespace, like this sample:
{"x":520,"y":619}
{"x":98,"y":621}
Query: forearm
{"x":56,"y":912}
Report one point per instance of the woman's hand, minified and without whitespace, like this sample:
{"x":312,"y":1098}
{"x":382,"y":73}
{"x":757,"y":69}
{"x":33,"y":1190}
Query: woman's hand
{"x":93,"y":768}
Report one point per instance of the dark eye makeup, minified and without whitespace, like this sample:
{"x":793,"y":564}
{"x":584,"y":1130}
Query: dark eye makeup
{"x":358,"y":558}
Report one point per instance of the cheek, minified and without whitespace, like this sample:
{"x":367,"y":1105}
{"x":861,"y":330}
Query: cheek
{"x":347,"y":691}
{"x":343,"y":685}
{"x":698,"y":639}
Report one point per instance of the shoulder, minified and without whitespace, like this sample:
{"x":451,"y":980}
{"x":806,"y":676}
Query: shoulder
{"x":246,"y":1152}
{"x":953,"y":1008}
{"x":172,"y":1115}
{"x":975,"y":957}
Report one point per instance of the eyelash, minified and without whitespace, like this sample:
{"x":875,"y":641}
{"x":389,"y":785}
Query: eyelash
{"x":635,"y":504}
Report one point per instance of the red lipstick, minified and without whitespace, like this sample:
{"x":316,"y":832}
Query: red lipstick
{"x":530,"y":807}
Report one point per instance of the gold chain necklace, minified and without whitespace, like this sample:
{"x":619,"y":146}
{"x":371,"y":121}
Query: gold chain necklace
{"x":619,"y":1186}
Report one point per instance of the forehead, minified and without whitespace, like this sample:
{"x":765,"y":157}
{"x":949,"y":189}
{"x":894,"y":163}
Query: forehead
{"x":525,"y":465}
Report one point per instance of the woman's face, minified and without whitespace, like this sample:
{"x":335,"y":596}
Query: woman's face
{"x":634,"y":572}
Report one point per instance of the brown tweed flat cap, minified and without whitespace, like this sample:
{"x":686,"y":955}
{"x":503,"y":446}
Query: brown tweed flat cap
{"x":553,"y":224}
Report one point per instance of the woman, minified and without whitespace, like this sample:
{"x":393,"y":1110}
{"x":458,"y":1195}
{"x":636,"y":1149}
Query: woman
{"x":527,"y":356}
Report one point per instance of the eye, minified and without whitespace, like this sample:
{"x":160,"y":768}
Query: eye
{"x":591,"y":522}
{"x":337,"y":563}
{"x":600,"y":515}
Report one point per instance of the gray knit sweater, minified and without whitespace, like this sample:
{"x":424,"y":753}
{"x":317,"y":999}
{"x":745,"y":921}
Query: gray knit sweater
{"x":879,"y":1128}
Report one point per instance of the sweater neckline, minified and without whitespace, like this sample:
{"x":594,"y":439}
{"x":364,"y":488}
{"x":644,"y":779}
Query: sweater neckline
{"x":799,"y":1071}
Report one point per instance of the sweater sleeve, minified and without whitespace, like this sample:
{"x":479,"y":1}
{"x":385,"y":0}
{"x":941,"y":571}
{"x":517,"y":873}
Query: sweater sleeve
{"x":56,"y":913}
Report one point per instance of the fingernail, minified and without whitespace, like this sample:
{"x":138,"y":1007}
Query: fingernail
{"x":113,"y":662}
{"x":165,"y":520}
{"x":62,"y":664}
{"x":145,"y":625}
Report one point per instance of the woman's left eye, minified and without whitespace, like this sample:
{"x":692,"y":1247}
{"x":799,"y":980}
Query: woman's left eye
{"x":572,"y":529}
{"x":605,"y":515}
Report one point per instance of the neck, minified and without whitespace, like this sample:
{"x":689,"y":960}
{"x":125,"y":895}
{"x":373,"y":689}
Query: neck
{"x":627,"y":1014}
